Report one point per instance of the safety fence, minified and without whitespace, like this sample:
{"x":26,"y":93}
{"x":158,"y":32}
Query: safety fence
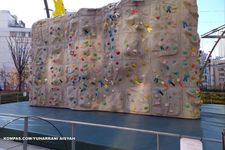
{"x":74,"y":123}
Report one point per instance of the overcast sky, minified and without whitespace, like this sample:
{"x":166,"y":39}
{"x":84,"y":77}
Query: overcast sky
{"x":32,"y":10}
{"x":211,"y":12}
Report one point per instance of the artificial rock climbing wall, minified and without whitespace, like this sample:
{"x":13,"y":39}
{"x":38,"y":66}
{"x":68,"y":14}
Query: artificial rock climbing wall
{"x":134,"y":56}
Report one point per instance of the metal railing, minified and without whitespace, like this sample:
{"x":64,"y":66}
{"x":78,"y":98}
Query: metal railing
{"x":73,"y":123}
{"x":223,"y":138}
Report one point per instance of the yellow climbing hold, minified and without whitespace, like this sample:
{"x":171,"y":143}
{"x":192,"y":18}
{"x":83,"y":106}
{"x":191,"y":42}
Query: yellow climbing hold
{"x":147,"y":97}
{"x":148,"y":28}
{"x":197,"y":92}
{"x":193,"y":49}
{"x":146,"y":50}
{"x":59,"y":8}
{"x":136,"y":80}
{"x":134,"y":65}
{"x":133,"y":108}
{"x":106,"y":85}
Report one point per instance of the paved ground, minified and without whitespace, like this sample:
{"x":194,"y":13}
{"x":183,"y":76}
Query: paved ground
{"x":11,"y":145}
{"x":209,"y":126}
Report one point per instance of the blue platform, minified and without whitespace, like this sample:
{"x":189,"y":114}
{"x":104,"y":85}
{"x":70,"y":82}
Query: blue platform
{"x":209,"y":126}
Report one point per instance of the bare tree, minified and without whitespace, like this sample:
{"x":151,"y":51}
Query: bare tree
{"x":20,"y":47}
{"x":4,"y":75}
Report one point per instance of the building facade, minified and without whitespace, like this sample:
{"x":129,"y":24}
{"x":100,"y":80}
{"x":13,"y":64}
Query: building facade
{"x":222,"y":47}
{"x":9,"y":27}
{"x":217,"y":74}
{"x":205,"y":74}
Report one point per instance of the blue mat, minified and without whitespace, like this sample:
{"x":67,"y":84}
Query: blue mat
{"x":209,"y":126}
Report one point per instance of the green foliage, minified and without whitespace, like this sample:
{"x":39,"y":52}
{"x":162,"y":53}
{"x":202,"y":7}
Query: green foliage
{"x":206,"y":97}
{"x":213,"y":97}
{"x":12,"y":97}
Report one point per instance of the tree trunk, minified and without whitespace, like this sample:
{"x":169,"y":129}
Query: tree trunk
{"x":20,"y":81}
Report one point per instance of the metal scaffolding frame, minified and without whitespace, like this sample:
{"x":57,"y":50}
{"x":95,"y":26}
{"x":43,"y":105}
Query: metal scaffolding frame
{"x":211,"y":34}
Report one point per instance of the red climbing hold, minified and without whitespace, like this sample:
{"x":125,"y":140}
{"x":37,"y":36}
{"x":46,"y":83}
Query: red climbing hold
{"x":134,"y":11}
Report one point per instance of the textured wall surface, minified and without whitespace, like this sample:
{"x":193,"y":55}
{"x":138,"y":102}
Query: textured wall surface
{"x":135,"y":56}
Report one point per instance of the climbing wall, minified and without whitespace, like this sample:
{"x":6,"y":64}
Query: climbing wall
{"x":134,"y":56}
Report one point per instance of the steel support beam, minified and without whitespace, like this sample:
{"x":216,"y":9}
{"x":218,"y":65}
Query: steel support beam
{"x":46,"y":8}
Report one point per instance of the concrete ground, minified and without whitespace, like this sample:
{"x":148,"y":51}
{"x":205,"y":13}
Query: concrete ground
{"x":12,"y":145}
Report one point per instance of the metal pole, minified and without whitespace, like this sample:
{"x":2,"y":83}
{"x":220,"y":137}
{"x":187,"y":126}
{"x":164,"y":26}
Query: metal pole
{"x":47,"y":9}
{"x":73,"y":146}
{"x":0,"y":98}
{"x":206,"y":61}
{"x":223,"y":138}
{"x":158,"y":146}
{"x":210,"y":75}
{"x":206,"y":35}
{"x":25,"y":133}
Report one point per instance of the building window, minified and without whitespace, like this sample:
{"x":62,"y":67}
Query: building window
{"x":18,"y":34}
{"x":13,"y":34}
{"x":21,"y":34}
{"x":27,"y":34}
{"x":221,"y":74}
{"x":221,"y":79}
{"x":220,"y":69}
{"x":205,"y":78}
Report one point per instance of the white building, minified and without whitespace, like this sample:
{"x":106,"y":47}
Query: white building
{"x":217,"y":74}
{"x":221,"y":46}
{"x":213,"y":73}
{"x":9,"y":26}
